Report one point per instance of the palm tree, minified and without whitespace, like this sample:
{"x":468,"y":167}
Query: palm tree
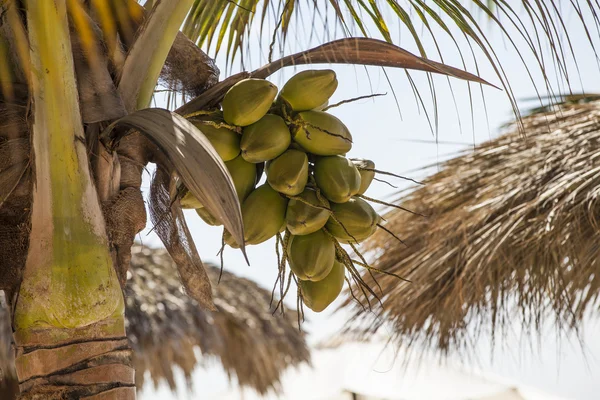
{"x":77,"y":132}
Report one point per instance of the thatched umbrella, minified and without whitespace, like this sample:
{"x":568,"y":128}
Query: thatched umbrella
{"x":165,"y":326}
{"x":511,"y":233}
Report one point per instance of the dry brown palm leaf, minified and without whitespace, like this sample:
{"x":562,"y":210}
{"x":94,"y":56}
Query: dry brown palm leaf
{"x":164,"y":326}
{"x":363,"y":51}
{"x":511,"y":234}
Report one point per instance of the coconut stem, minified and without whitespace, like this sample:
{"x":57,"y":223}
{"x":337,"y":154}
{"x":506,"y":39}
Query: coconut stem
{"x":381,"y":271}
{"x":344,"y":257}
{"x":378,"y":171}
{"x":300,"y":199}
{"x":299,"y":305}
{"x":365,"y":263}
{"x":286,"y":240}
{"x":363,"y":285}
{"x":320,"y":197}
{"x":368,"y":96}
{"x":384,"y":181}
{"x":323,"y":201}
{"x":392,"y":234}
{"x":362,"y":196}
{"x":219,"y":125}
{"x":358,"y":281}
{"x":277,"y":242}
{"x":283,"y":287}
{"x":198,"y":113}
{"x":287,"y":289}
{"x":353,"y":295}
{"x":303,"y":123}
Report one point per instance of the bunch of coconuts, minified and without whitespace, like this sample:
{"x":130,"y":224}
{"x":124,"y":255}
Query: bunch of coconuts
{"x":312,"y":194}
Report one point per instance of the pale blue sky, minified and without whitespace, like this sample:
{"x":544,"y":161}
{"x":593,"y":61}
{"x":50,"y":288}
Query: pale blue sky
{"x":403,"y":144}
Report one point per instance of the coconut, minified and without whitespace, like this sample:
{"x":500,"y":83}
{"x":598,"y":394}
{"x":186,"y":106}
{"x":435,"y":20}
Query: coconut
{"x":263,"y":214}
{"x":266,"y":139}
{"x":207,"y":217}
{"x":318,"y":295}
{"x":365,"y":168}
{"x":229,"y":240}
{"x":189,"y":201}
{"x":248,"y":101}
{"x":337,"y":177}
{"x":225,"y":141}
{"x":357,"y":217}
{"x":303,"y":218}
{"x":309,"y":89}
{"x":243,"y":175}
{"x":311,"y":256}
{"x":288,"y":173}
{"x":322,"y":106}
{"x":322,"y":134}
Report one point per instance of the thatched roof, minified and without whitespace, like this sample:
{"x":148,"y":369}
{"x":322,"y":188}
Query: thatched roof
{"x":511,"y":234}
{"x":164,"y":326}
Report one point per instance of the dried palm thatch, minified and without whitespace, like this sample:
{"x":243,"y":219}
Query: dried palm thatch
{"x":510,"y":234}
{"x":165,"y":326}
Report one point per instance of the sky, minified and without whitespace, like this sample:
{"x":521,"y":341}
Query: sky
{"x":400,"y":138}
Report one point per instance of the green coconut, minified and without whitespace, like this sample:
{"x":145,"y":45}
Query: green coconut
{"x":243,"y":175}
{"x":189,"y":201}
{"x":225,"y":141}
{"x":229,"y":240}
{"x":337,"y":177}
{"x":207,"y":217}
{"x":357,"y":217}
{"x":263,"y":214}
{"x":309,"y":89}
{"x":248,"y":101}
{"x":311,"y":256}
{"x":322,"y":106}
{"x":366,"y":175}
{"x":288,"y":173}
{"x":322,"y":134}
{"x":265,"y":139}
{"x":319,"y":295}
{"x":302,"y":218}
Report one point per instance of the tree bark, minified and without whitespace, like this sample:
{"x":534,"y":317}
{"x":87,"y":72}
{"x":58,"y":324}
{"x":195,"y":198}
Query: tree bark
{"x":85,"y":368}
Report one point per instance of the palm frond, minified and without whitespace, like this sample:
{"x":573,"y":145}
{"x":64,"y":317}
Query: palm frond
{"x":510,"y":237}
{"x":530,"y":28}
{"x":561,"y":100}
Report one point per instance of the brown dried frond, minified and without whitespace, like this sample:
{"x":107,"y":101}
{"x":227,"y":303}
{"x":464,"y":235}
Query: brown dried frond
{"x":512,"y":233}
{"x":252,"y":344}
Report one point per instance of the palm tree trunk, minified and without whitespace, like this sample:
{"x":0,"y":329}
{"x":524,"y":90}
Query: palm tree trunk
{"x":90,"y":369}
{"x":68,"y":314}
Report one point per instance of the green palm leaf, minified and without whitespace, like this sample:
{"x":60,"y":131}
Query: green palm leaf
{"x":529,"y":27}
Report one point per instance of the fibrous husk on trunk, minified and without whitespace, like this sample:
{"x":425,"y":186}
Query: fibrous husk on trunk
{"x":15,"y":195}
{"x":188,"y":69}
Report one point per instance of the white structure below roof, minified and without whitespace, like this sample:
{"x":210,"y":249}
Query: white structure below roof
{"x":375,"y":371}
